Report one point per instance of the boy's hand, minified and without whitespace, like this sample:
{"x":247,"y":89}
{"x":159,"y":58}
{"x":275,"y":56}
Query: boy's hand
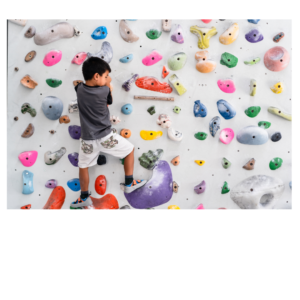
{"x":108,"y":81}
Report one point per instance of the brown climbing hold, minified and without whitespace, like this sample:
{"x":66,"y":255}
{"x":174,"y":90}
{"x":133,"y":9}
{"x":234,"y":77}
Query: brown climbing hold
{"x":28,"y":132}
{"x":250,"y":164}
{"x":16,"y":118}
{"x":64,"y":119}
{"x":30,"y":56}
{"x":176,"y":160}
{"x":52,"y":131}
{"x":30,"y":32}
{"x":175,"y":187}
{"x":16,"y":69}
{"x":28,"y":82}
{"x":75,"y":82}
{"x":126,"y":133}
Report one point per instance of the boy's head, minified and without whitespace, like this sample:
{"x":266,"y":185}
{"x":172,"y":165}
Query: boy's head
{"x":96,"y":70}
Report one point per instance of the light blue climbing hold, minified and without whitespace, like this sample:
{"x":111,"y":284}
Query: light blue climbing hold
{"x":127,"y":109}
{"x":226,"y":110}
{"x":253,"y":21}
{"x":52,"y":107}
{"x":99,"y":33}
{"x":290,"y":185}
{"x":131,"y":19}
{"x":74,"y":184}
{"x":214,"y":125}
{"x":200,"y":109}
{"x":27,"y":182}
{"x":126,"y":59}
{"x":252,"y":135}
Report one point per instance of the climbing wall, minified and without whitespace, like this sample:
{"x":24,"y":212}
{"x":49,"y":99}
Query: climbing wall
{"x":200,"y":86}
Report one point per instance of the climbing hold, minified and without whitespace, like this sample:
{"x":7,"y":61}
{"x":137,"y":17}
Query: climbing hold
{"x":51,"y":158}
{"x":226,"y":86}
{"x":250,"y":164}
{"x":26,"y":108}
{"x":52,"y":131}
{"x":164,"y":121}
{"x":173,"y":207}
{"x":175,"y":135}
{"x":52,"y":107}
{"x":16,"y":69}
{"x":206,"y":21}
{"x":28,"y":158}
{"x":79,"y":58}
{"x":27,"y":182}
{"x":175,"y":187}
{"x":75,"y":132}
{"x":128,"y":83}
{"x":30,"y":56}
{"x":275,"y":163}
{"x":126,"y":33}
{"x":127,"y":109}
{"x":21,"y":22}
{"x":28,"y":82}
{"x":152,"y":58}
{"x":264,"y":124}
{"x":225,"y":188}
{"x":276,"y":59}
{"x":106,"y":52}
{"x":276,"y":111}
{"x":200,"y":162}
{"x":74,"y":184}
{"x":52,"y":58}
{"x":64,"y":119}
{"x":230,"y":35}
{"x":276,"y":137}
{"x":151,"y":110}
{"x":99,"y":33}
{"x":100,"y":185}
{"x":166,"y":25}
{"x":101,"y":160}
{"x":290,"y":184}
{"x":200,"y":206}
{"x":30,"y":32}
{"x":149,"y":160}
{"x":56,"y":198}
{"x":16,"y":118}
{"x":126,"y":133}
{"x":226,"y":135}
{"x":252,"y":135}
{"x":53,"y":82}
{"x":150,"y":135}
{"x":253,"y":85}
{"x":177,"y":61}
{"x":153,"y":84}
{"x":278,"y":37}
{"x":28,"y":206}
{"x":253,"y":21}
{"x":204,"y":65}
{"x":204,"y":35}
{"x":177,"y":85}
{"x":228,"y":60}
{"x":200,"y":188}
{"x":125,"y":207}
{"x":126,"y":59}
{"x":114,"y":120}
{"x":51,"y":184}
{"x":277,"y":88}
{"x":157,"y":191}
{"x":225,"y":163}
{"x":73,"y":158}
{"x":177,"y":34}
{"x":176,"y":160}
{"x":252,"y":111}
{"x":214,"y":125}
{"x":29,"y":131}
{"x":200,"y":136}
{"x":252,"y":62}
{"x":153,"y":34}
{"x":226,"y":110}
{"x":200,"y":109}
{"x":176,"y":109}
{"x":109,"y":201}
{"x":254,"y":36}
{"x":76,"y":82}
{"x":165,"y":72}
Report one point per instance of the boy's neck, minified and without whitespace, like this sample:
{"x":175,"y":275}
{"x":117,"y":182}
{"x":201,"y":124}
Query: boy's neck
{"x":91,"y":83}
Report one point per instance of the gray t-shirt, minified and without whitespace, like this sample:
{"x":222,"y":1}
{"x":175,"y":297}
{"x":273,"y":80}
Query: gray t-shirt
{"x":93,"y":111}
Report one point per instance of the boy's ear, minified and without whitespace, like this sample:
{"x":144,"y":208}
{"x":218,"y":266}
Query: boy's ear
{"x":96,"y":76}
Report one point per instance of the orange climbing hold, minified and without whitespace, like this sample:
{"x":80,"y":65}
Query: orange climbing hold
{"x":109,"y":201}
{"x":100,"y":184}
{"x":165,"y":72}
{"x":56,"y":199}
{"x":28,"y":206}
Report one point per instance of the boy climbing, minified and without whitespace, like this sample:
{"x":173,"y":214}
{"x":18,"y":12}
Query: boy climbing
{"x":97,"y":136}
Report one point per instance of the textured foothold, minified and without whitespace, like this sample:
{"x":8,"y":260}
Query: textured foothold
{"x":76,"y":82}
{"x":100,"y":185}
{"x":204,"y":35}
{"x":275,"y":137}
{"x":200,"y":188}
{"x":153,"y":34}
{"x":74,"y":184}
{"x":28,"y":132}
{"x":252,"y":135}
{"x":254,"y":36}
{"x":52,"y":58}
{"x":228,"y":60}
{"x":278,"y":37}
{"x":226,"y":110}
{"x":106,"y":52}
{"x":275,"y":163}
{"x":128,"y":83}
{"x":126,"y":59}
{"x":177,"y":84}
{"x":126,"y":33}
{"x":200,"y":109}
{"x":177,"y":61}
{"x":276,"y":111}
{"x":51,"y":158}
{"x":125,"y":207}
{"x":28,"y":158}
{"x":230,"y":35}
{"x":151,"y":110}
{"x":21,"y":22}
{"x":64,"y":119}
{"x":276,"y":59}
{"x":204,"y":65}
{"x":250,"y":164}
{"x":225,"y":188}
{"x":277,"y":88}
{"x":226,"y":86}
{"x":176,"y":109}
{"x":253,"y":21}
{"x":114,"y":120}
{"x":75,"y":132}
{"x":176,"y":160}
{"x":127,"y":109}
{"x":73,"y":106}
{"x":252,"y":62}
{"x":264,"y":124}
{"x":150,"y":135}
{"x":53,"y":82}
{"x":253,"y":86}
{"x":149,"y":160}
{"x":73,"y":158}
{"x":225,"y":163}
{"x":164,"y":121}
{"x":52,"y":107}
{"x":214,"y":125}
{"x":200,"y":162}
{"x":101,"y":160}
{"x":30,"y":56}
{"x":153,"y":84}
{"x":175,"y":187}
{"x":173,"y":207}
{"x":166,"y":25}
{"x":252,"y":111}
{"x":28,"y":206}
{"x":177,"y":34}
{"x":27,"y":182}
{"x":152,"y":58}
{"x":30,"y":32}
{"x":165,"y":72}
{"x":79,"y":58}
{"x":200,"y":136}
{"x":28,"y":82}
{"x":126,"y":133}
{"x":175,"y":135}
{"x":26,"y":108}
{"x":99,"y":33}
{"x":51,"y":184}
{"x":56,"y":198}
{"x":226,"y":135}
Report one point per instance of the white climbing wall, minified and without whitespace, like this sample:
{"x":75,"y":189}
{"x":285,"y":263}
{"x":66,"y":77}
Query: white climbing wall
{"x":199,"y":87}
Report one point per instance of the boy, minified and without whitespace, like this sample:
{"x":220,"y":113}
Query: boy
{"x":97,"y":136}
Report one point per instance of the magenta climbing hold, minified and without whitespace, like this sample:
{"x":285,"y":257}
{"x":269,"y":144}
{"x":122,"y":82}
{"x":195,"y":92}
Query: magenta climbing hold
{"x":79,"y":58}
{"x":200,"y":188}
{"x":226,"y":86}
{"x":276,"y":59}
{"x":152,"y":58}
{"x":200,"y":206}
{"x":28,"y":158}
{"x":177,"y":34}
{"x":51,"y":184}
{"x":52,"y":58}
{"x":226,"y":135}
{"x":206,"y":21}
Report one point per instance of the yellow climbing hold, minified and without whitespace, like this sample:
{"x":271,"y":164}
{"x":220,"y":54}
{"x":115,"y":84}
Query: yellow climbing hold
{"x":277,"y":88}
{"x":200,"y":162}
{"x":173,"y":207}
{"x":230,"y":35}
{"x":204,"y":35}
{"x":150,"y":135}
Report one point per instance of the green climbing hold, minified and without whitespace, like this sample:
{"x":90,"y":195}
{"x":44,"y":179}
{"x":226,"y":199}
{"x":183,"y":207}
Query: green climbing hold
{"x":264,"y":124}
{"x":226,"y":163}
{"x":148,"y":160}
{"x":151,"y":110}
{"x":53,"y":82}
{"x":200,"y":136}
{"x":252,"y":111}
{"x":177,"y":61}
{"x":27,"y":108}
{"x":252,"y":62}
{"x":225,"y":188}
{"x":275,"y":163}
{"x":153,"y":34}
{"x":177,"y":109}
{"x":122,"y":161}
{"x":228,"y":60}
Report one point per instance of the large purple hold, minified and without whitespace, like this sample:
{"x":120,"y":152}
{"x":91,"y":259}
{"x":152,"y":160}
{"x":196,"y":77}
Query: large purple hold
{"x":177,"y":35}
{"x":200,"y":188}
{"x":75,"y":132}
{"x":157,"y":191}
{"x":127,"y":84}
{"x":254,"y":36}
{"x":51,"y":184}
{"x":73,"y":158}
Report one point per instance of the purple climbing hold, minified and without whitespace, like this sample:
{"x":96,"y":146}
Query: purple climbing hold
{"x":177,"y":34}
{"x":200,"y":188}
{"x":75,"y":132}
{"x":254,"y":36}
{"x":157,"y":191}
{"x":51,"y":184}
{"x":128,"y":83}
{"x":73,"y":158}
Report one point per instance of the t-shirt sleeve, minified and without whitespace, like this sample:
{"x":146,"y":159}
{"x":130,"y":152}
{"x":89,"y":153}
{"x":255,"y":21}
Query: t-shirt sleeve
{"x":76,"y":87}
{"x":109,"y":98}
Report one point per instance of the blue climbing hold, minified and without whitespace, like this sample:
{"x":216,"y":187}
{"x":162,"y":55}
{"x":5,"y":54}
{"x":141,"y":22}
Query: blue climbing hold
{"x":27,"y":182}
{"x":99,"y":33}
{"x":126,"y":59}
{"x":74,"y":184}
{"x":290,"y":185}
{"x":214,"y":125}
{"x":127,"y":109}
{"x":226,"y":110}
{"x":252,"y":135}
{"x":200,"y":109}
{"x":52,"y":107}
{"x":253,"y":21}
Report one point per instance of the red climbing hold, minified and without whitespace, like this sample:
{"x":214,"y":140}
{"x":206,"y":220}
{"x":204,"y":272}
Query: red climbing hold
{"x":100,"y":184}
{"x":165,"y":72}
{"x":28,"y":206}
{"x":56,"y":199}
{"x":109,"y":201}
{"x":153,"y":84}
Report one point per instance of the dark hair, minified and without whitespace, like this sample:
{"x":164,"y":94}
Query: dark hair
{"x":94,"y":65}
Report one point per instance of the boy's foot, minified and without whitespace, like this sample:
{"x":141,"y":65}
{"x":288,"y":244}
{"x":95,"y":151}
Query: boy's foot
{"x":82,"y":202}
{"x":136,"y":184}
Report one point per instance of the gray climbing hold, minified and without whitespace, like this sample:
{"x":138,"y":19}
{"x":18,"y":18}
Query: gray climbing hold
{"x":51,"y":158}
{"x":52,"y":107}
{"x":106,"y":52}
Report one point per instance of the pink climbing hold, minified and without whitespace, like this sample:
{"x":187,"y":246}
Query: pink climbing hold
{"x":206,"y":21}
{"x":79,"y":58}
{"x":200,"y":206}
{"x":152,"y":58}
{"x":226,"y":135}
{"x":28,"y":158}
{"x":226,"y":86}
{"x":52,"y":58}
{"x":276,"y":59}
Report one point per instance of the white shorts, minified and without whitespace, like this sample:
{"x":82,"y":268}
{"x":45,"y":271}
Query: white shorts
{"x":112,"y":144}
